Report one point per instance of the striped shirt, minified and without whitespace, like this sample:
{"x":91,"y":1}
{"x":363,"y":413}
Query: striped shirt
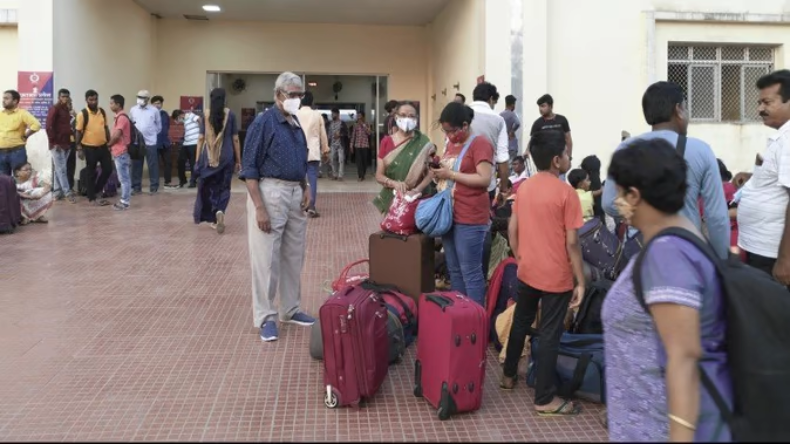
{"x":191,"y":129}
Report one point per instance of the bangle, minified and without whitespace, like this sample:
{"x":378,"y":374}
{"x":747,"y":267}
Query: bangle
{"x":682,"y":422}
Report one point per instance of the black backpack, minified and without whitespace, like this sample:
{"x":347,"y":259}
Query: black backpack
{"x":757,"y":311}
{"x":588,"y":319}
{"x":136,"y":147}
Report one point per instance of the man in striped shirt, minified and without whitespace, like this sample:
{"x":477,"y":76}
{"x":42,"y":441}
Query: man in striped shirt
{"x":188,"y":150}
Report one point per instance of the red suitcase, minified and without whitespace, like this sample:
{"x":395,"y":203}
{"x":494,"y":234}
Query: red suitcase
{"x":451,"y":353}
{"x":356,"y":345}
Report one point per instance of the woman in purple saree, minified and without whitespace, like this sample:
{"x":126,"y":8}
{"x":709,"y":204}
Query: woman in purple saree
{"x":218,"y":147}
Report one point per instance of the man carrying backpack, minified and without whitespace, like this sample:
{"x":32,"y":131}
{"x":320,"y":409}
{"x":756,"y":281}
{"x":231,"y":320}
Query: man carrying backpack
{"x":92,"y":137}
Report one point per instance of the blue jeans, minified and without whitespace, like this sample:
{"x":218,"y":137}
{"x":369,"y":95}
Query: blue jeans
{"x":123,"y":169}
{"x":152,"y":156}
{"x":463,"y":252}
{"x":60,"y":158}
{"x":11,"y":158}
{"x":312,"y":177}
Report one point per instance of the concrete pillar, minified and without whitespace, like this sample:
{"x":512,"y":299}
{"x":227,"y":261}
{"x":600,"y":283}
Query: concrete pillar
{"x":536,"y":63}
{"x":36,"y":49}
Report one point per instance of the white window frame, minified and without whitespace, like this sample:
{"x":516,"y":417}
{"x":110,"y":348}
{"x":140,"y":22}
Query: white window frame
{"x":690,"y":63}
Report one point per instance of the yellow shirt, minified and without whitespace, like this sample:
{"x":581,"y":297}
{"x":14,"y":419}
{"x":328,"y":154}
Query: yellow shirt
{"x":13,"y":125}
{"x":586,"y":199}
{"x":95,"y":135}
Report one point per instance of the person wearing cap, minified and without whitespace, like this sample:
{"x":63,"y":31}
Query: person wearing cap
{"x":148,"y":121}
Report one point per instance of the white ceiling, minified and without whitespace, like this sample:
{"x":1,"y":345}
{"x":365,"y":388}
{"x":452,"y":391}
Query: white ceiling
{"x":373,"y":12}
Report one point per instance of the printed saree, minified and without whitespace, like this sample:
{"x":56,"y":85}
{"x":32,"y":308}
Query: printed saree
{"x":406,"y":163}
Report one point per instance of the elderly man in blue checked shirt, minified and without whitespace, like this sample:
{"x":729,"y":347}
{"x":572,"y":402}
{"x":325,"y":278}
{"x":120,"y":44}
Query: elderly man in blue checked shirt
{"x":274,"y":167}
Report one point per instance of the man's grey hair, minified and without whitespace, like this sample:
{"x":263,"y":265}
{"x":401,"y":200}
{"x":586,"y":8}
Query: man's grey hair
{"x":285,"y":80}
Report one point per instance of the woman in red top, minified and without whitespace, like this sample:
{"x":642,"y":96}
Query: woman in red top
{"x":463,"y":245}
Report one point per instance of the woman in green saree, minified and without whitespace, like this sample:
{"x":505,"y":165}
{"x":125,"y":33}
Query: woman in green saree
{"x":403,"y":159}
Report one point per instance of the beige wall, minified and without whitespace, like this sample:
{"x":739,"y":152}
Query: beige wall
{"x":189,"y":49}
{"x":9,"y":47}
{"x":598,"y":80}
{"x":457,"y":51}
{"x":105,"y":46}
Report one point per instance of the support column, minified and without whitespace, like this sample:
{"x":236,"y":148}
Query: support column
{"x":535,"y":62}
{"x":36,"y":54}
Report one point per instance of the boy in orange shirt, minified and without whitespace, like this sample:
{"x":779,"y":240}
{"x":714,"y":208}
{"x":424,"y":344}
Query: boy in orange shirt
{"x":544,"y":236}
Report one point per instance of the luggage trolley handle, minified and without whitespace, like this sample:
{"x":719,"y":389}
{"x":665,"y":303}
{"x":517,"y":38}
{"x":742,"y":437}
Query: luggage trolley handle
{"x":442,"y":301}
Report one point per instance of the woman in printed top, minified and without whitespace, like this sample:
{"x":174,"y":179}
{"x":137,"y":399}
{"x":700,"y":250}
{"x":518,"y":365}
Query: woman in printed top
{"x":653,"y":388}
{"x":403,"y":158}
{"x":463,"y":245}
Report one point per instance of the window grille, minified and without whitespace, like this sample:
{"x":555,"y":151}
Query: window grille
{"x":719,"y":81}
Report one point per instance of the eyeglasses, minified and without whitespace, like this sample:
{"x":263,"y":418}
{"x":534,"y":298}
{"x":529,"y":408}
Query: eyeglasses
{"x":451,"y":131}
{"x":293,"y":94}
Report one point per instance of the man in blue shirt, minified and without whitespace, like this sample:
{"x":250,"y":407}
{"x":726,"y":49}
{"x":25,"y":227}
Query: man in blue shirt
{"x":147,"y":120}
{"x":274,"y":167}
{"x":665,"y":109}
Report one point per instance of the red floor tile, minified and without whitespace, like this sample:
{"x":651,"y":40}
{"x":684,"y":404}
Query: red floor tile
{"x":138,"y":326}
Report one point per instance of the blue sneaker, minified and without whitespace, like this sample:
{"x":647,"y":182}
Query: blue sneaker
{"x":269,"y":331}
{"x":301,"y":319}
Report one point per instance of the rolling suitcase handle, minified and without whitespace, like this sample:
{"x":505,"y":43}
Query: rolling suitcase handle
{"x":386,"y":234}
{"x":442,"y":301}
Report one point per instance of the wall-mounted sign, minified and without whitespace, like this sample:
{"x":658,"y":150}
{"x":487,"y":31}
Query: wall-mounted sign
{"x":36,"y":91}
{"x":191,"y":102}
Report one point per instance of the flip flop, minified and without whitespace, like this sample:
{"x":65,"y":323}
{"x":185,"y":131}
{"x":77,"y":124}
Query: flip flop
{"x":313,"y":213}
{"x":561,"y":410}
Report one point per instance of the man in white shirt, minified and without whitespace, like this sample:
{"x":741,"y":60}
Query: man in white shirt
{"x":764,"y":206}
{"x":491,"y":125}
{"x":188,"y":152}
{"x":149,"y":122}
{"x":317,"y":144}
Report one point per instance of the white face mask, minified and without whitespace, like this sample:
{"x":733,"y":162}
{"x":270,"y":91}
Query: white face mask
{"x":406,"y":125}
{"x":291,"y":106}
{"x":141,"y":102}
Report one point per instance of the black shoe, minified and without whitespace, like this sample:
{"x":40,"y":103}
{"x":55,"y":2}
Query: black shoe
{"x":192,"y":185}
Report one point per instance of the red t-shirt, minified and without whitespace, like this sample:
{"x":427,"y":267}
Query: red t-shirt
{"x":471,"y":206}
{"x":546,"y":208}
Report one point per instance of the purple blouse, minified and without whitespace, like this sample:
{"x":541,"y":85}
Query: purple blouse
{"x":675,"y":272}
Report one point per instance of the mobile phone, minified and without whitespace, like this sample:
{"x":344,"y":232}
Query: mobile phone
{"x":434,"y":165}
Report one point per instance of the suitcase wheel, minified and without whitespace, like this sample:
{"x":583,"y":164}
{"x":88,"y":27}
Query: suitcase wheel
{"x":330,"y":398}
{"x":446,"y":404}
{"x":417,"y":379}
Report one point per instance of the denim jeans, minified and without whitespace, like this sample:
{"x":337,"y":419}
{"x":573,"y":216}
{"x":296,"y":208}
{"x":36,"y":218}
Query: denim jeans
{"x":152,"y":157}
{"x":338,"y":159}
{"x":60,"y":183}
{"x":312,"y":177}
{"x":463,"y":252}
{"x":123,"y":165}
{"x":10,"y":158}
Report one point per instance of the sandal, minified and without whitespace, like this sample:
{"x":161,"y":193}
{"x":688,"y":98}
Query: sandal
{"x":313,"y":213}
{"x":567,"y":408}
{"x":24,"y":222}
{"x":42,"y":220}
{"x":505,"y":386}
{"x":71,"y":198}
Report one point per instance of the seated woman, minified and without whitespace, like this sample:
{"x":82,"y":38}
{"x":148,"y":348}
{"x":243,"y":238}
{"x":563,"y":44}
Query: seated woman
{"x":463,"y":245}
{"x":654,"y":359}
{"x":403,"y":158}
{"x":35,"y":191}
{"x":10,"y":206}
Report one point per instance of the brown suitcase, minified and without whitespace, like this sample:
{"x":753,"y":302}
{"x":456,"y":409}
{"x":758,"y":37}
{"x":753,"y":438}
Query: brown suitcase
{"x":407,"y":262}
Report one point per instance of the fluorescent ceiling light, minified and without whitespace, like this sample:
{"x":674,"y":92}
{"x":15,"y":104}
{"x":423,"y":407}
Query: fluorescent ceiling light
{"x":211,"y":8}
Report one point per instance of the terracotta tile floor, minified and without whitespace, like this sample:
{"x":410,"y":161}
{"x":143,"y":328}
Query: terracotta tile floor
{"x":137,"y":326}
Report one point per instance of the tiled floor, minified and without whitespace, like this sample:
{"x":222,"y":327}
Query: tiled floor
{"x":137,"y":326}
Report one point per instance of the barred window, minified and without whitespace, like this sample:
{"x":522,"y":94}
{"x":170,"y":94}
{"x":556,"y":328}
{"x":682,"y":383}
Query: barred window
{"x":719,"y":81}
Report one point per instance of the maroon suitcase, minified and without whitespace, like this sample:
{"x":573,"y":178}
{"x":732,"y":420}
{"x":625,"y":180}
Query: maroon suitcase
{"x":356,"y":345}
{"x":451,"y":353}
{"x":405,"y":262}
